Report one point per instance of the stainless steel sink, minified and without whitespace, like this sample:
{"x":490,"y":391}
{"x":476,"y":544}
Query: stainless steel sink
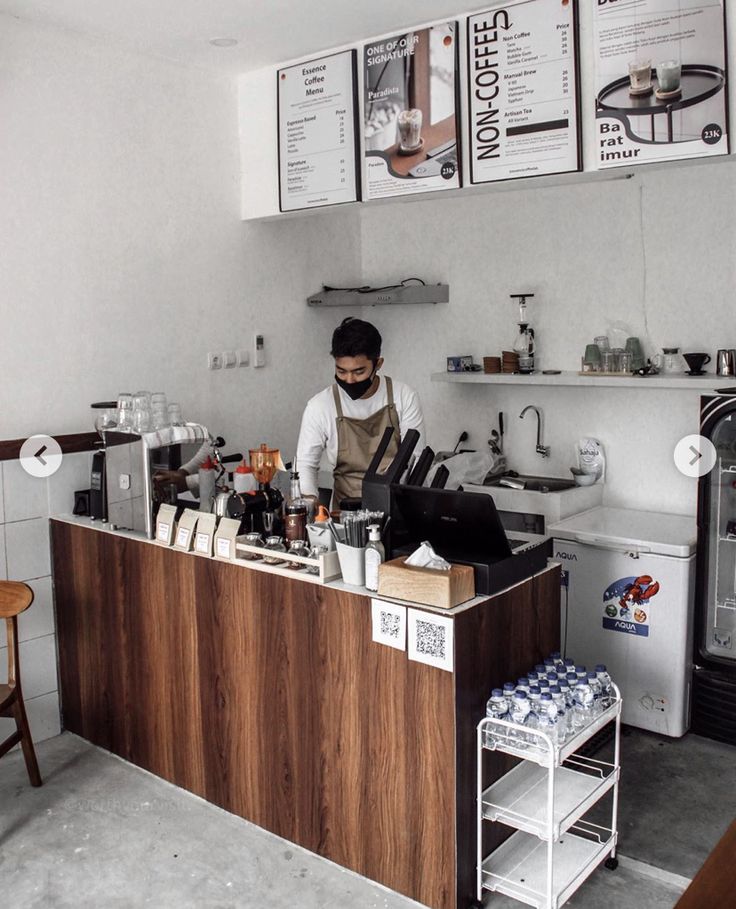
{"x":531,"y":484}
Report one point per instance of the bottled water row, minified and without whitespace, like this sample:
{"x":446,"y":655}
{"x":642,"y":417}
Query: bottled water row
{"x":557,"y":697}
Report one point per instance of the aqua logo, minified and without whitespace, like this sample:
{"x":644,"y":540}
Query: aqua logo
{"x":569,"y":556}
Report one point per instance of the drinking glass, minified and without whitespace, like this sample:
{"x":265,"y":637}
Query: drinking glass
{"x":141,"y":420}
{"x":275,"y":546}
{"x":252,"y":539}
{"x":640,"y":76}
{"x":669,"y":74}
{"x":300,"y":548}
{"x":625,"y":362}
{"x":125,"y":412}
{"x":175,"y":416}
{"x":410,"y":128}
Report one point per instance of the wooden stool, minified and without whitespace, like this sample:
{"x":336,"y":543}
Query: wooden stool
{"x":14,"y":599}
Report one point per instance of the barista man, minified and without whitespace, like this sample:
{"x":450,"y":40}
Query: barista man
{"x":347,"y":420}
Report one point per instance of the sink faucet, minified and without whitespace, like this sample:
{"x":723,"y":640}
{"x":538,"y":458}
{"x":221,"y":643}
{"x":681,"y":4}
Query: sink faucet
{"x":543,"y":450}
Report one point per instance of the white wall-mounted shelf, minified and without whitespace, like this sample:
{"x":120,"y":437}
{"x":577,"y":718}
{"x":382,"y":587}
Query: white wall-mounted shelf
{"x":705,"y":384}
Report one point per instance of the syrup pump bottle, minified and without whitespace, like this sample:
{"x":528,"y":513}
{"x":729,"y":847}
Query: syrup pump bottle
{"x":524,"y":343}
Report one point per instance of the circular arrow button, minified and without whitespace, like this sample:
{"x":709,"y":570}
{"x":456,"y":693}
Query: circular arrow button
{"x":40,"y":456}
{"x":695,"y":456}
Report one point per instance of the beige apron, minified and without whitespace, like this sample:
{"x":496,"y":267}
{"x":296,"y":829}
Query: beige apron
{"x":357,"y":442}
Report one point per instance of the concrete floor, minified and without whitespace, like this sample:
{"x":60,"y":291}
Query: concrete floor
{"x":102,"y":833}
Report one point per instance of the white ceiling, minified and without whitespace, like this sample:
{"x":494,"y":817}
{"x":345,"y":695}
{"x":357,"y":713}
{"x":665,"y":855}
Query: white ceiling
{"x":269,"y":31}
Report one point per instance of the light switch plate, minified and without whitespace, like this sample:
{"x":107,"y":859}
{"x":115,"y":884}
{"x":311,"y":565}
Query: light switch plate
{"x":243,"y":358}
{"x":124,"y":481}
{"x":229,"y":359}
{"x":214,"y":361}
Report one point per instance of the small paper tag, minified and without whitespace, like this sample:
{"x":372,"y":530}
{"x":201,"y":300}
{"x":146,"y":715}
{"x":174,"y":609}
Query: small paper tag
{"x":202,"y":543}
{"x":182,"y":537}
{"x":162,"y":531}
{"x":223,"y":548}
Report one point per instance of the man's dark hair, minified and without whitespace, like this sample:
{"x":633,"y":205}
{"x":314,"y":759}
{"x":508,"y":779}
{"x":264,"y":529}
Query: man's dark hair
{"x":354,"y":337}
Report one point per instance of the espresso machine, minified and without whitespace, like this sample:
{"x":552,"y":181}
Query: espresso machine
{"x":261,"y":510}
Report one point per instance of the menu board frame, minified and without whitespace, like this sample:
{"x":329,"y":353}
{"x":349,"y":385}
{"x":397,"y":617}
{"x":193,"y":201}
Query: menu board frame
{"x":352,"y":94}
{"x":442,"y":179}
{"x":700,"y":77}
{"x":575,"y":98}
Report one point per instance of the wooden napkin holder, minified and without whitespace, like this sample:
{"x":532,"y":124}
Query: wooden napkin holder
{"x":427,"y":586}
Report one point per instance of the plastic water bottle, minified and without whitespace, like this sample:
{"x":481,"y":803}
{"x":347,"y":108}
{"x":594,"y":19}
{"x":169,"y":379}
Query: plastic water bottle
{"x":541,"y":671}
{"x":522,"y":684}
{"x":549,"y":666}
{"x":544,"y":685}
{"x":532,"y":721}
{"x":569,"y":665}
{"x":548,"y":717}
{"x":556,"y":658}
{"x":508,"y":692}
{"x":553,"y":678}
{"x":518,"y":716}
{"x":566,"y":692}
{"x":582,"y":673}
{"x":583,"y":701}
{"x":497,"y":708}
{"x":558,"y":699}
{"x":595,"y":687}
{"x":604,"y":678}
{"x":533,"y":677}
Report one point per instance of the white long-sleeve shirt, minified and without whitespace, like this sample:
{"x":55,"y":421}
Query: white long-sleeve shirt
{"x":318,"y":433}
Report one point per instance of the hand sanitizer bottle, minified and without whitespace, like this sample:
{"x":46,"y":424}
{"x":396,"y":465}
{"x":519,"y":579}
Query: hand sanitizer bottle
{"x":374,"y":555}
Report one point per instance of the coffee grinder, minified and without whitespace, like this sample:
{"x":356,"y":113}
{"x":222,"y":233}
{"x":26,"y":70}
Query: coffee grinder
{"x":105,"y":415}
{"x":260,"y":511}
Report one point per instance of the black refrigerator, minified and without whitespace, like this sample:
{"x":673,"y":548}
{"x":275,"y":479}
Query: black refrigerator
{"x":714,"y":674}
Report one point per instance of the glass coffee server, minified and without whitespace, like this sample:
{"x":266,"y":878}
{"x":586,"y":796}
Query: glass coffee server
{"x":714,"y":674}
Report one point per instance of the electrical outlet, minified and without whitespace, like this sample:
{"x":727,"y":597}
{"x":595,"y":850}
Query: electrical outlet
{"x":214,"y":361}
{"x":259,"y":351}
{"x":229,"y":359}
{"x":243,"y":358}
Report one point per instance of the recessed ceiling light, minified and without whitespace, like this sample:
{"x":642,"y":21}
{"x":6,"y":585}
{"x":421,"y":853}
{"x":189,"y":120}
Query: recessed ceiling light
{"x":224,"y":42}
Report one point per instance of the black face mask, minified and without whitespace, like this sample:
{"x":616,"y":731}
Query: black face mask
{"x":355,"y":390}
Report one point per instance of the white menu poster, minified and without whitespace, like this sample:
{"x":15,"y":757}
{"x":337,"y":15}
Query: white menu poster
{"x":523,"y":90}
{"x":660,"y":81}
{"x":410,"y":124}
{"x":318,"y":130}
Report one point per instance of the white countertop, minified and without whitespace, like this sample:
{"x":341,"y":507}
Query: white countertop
{"x":302,"y":576}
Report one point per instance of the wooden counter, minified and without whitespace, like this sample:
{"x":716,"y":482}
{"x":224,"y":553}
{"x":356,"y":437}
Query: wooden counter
{"x":267,"y":696}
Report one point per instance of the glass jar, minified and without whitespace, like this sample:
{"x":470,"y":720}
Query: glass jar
{"x":252,"y":539}
{"x":273,"y":546}
{"x":314,"y":553}
{"x":299,"y":548}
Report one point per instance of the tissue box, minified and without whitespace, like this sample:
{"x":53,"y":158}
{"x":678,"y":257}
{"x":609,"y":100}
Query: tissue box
{"x":426,"y":585}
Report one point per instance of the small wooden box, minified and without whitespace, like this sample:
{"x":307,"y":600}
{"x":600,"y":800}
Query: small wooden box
{"x":426,"y":585}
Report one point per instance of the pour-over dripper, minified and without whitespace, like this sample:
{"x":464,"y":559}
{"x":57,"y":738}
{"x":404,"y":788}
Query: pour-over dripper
{"x":264,"y":462}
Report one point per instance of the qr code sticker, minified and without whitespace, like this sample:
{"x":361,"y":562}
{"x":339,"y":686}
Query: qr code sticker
{"x":431,"y":639}
{"x":390,"y":625}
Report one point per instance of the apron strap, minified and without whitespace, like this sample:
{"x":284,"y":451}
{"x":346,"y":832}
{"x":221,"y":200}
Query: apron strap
{"x":338,"y":405}
{"x":389,"y":390}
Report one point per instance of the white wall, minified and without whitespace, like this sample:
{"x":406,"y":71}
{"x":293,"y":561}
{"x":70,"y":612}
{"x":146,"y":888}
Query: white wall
{"x":655,"y":251}
{"x":124,"y":259}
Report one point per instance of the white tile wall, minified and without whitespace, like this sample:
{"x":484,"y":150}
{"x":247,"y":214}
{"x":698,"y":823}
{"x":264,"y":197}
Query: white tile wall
{"x":72,"y":475}
{"x":27,"y":549}
{"x":25,"y":504}
{"x":43,"y":717}
{"x":3,"y":567}
{"x":37,"y":666}
{"x":24,"y":496}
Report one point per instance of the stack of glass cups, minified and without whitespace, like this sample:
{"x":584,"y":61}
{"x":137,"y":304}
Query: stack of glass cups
{"x":159,"y":411}
{"x":142,"y":421}
{"x":125,"y":412}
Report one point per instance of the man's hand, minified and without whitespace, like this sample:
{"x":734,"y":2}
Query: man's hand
{"x":179,"y":477}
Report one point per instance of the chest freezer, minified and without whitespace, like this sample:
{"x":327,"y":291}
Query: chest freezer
{"x":627,"y":601}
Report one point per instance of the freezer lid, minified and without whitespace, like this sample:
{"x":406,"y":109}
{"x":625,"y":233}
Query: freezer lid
{"x":646,"y":531}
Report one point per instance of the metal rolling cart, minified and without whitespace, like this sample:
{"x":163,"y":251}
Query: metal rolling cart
{"x":544,"y":797}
